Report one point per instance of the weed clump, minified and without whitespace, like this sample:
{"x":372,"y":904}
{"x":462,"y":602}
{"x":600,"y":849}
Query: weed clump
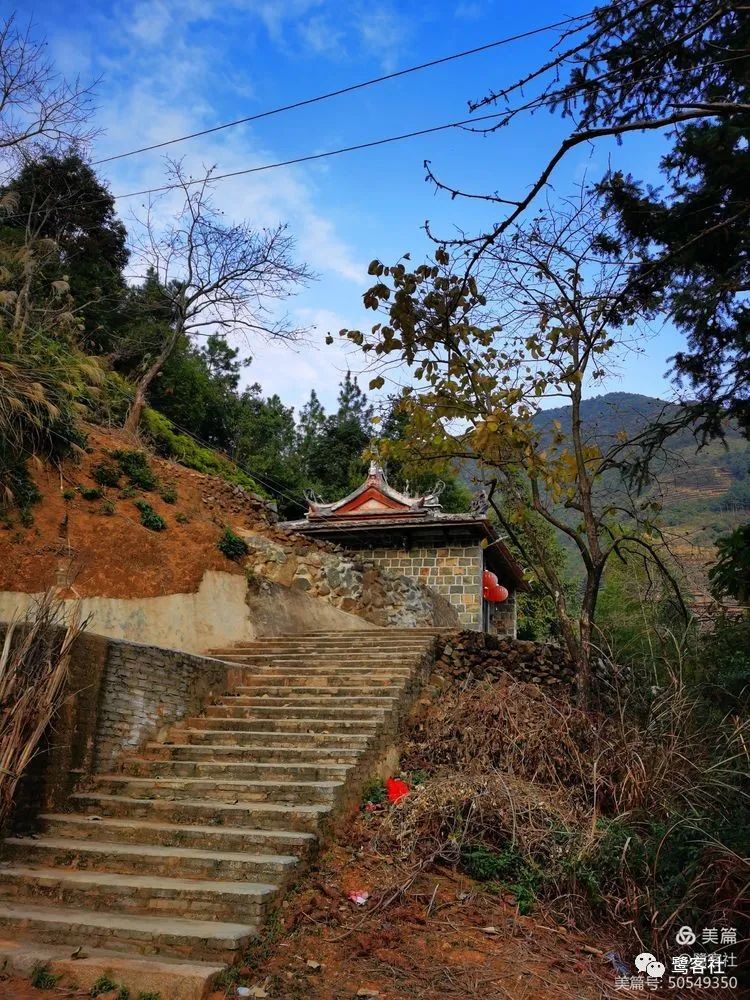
{"x":233,"y":547}
{"x":135,"y":466}
{"x":43,"y":979}
{"x":149,"y":518}
{"x":91,"y":492}
{"x":106,"y":474}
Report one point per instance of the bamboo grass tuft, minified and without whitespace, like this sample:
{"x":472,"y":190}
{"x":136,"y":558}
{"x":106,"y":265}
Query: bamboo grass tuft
{"x":34,"y":662}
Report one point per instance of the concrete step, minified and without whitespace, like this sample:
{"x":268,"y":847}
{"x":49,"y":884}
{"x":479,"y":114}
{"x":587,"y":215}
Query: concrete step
{"x":265,"y":697}
{"x":256,"y":724}
{"x":173,"y":936}
{"x":364,"y":646}
{"x":320,"y":690}
{"x":149,"y":859}
{"x":206,"y":735}
{"x":254,"y":752}
{"x":217,"y":789}
{"x":241,"y":769}
{"x":154,"y":895}
{"x":258,"y":815}
{"x":323,"y":660}
{"x":208,"y":837}
{"x":168,"y":978}
{"x":296,"y":710}
{"x":321,"y":679}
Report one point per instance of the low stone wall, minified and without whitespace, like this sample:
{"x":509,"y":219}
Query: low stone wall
{"x":468,"y":657}
{"x":118,"y":695}
{"x":453,"y":571}
{"x":356,"y":586}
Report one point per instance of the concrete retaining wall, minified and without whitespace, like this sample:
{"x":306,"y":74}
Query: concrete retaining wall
{"x":223,"y":611}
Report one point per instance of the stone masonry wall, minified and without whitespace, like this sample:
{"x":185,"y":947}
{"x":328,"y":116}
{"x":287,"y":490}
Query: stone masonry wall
{"x":118,"y":695}
{"x":468,"y":656}
{"x":454,"y":572}
{"x":347,"y":581}
{"x":503,"y":617}
{"x":146,"y":689}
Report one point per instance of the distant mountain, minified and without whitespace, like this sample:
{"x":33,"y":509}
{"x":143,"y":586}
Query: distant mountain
{"x":704,"y":492}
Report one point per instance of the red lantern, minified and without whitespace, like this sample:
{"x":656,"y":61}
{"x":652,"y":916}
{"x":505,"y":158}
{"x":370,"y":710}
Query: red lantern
{"x":491,"y":590}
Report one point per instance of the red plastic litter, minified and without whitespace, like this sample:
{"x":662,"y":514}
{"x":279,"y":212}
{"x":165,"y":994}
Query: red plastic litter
{"x":396,"y":789}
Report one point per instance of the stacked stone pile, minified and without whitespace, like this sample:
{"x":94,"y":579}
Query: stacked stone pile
{"x":473,"y":656}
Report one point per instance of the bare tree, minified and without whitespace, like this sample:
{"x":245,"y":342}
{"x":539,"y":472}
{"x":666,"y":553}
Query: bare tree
{"x":212,"y":275}
{"x":37,"y":107}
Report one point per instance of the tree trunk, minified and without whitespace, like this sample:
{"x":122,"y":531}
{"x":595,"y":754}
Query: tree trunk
{"x":133,"y":418}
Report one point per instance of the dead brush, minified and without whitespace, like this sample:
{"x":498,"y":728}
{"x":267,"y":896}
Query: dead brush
{"x":34,"y":663}
{"x":455,"y":810}
{"x":516,"y":728}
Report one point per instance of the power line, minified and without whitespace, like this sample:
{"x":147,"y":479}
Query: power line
{"x":305,"y":102}
{"x":312,"y":156}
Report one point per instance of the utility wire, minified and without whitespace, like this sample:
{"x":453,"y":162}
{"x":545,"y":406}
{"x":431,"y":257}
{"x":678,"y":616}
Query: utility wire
{"x":312,"y":156}
{"x":305,"y":102}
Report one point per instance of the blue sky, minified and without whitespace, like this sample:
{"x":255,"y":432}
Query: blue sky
{"x":171,"y":67}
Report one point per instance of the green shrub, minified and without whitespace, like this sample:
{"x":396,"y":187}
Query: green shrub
{"x":509,"y":869}
{"x":69,"y":494}
{"x":149,"y":518}
{"x":232,"y":545}
{"x":374,"y":792}
{"x":91,"y":492}
{"x":106,"y":474}
{"x":136,"y":467}
{"x":149,"y":996}
{"x":182,"y":518}
{"x":106,"y":508}
{"x":169,"y":443}
{"x":169,"y":494}
{"x":42,"y":978}
{"x":26,"y":517}
{"x":105,"y":984}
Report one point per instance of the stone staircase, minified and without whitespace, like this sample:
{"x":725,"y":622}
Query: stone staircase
{"x":178,"y":856}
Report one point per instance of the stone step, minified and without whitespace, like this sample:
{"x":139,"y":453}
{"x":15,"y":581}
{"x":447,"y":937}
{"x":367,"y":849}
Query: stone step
{"x":218,"y":789}
{"x":257,"y":815}
{"x":253,"y":752}
{"x":348,"y":660}
{"x":322,"y":681}
{"x":398,"y":645}
{"x":224,"y":736}
{"x":168,"y":978}
{"x":295,"y":710}
{"x":149,"y":859}
{"x":263,"y":697}
{"x":286,"y":725}
{"x":173,"y":936}
{"x":244,"y":769}
{"x":319,"y":690}
{"x":213,"y":899}
{"x":208,"y":837}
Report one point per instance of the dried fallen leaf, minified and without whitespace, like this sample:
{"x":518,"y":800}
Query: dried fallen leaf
{"x":490,"y":930}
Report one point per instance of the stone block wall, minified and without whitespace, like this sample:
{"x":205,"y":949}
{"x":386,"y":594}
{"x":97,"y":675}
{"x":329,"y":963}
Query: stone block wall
{"x":503,"y":617}
{"x":348,"y":580}
{"x":454,"y":572}
{"x":145,"y":689}
{"x":118,"y":695}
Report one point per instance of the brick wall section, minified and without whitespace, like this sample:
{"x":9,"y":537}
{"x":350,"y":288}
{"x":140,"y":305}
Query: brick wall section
{"x":146,"y":689}
{"x":454,"y":572}
{"x":118,"y":695}
{"x":503,"y":617}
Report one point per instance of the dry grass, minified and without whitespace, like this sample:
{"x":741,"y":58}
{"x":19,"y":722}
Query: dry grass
{"x":594,"y":803}
{"x":33,"y":670}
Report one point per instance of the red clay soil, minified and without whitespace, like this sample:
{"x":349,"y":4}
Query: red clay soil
{"x":113,"y":555}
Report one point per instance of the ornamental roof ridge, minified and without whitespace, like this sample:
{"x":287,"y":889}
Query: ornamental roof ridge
{"x":375,"y":484}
